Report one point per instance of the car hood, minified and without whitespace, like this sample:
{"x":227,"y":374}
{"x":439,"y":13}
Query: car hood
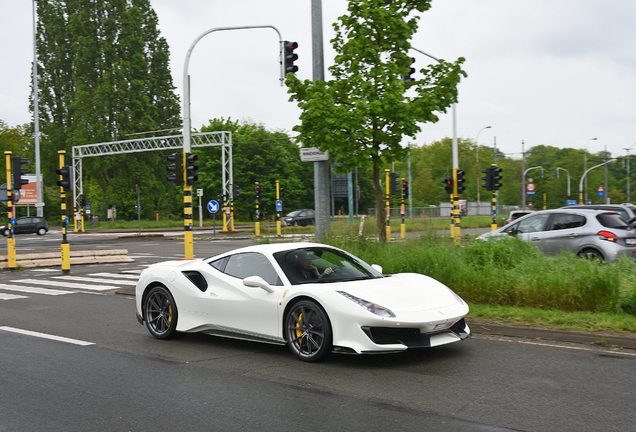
{"x":402,"y":292}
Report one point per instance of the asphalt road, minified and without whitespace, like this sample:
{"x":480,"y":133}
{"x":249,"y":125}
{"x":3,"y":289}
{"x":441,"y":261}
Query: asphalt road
{"x":127,"y":380}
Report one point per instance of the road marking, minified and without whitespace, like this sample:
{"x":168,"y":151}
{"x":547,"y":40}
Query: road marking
{"x":95,"y":280}
{"x":45,"y":270}
{"x":33,"y":290}
{"x":116,"y":275}
{"x":10,"y":296}
{"x":69,"y":284}
{"x":46,"y":336}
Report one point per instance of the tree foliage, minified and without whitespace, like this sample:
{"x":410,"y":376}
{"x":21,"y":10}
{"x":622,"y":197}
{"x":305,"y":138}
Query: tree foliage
{"x":362,"y":114}
{"x":103,"y":75}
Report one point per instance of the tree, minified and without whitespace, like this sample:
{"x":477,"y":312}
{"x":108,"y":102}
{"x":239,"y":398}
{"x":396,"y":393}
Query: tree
{"x":362,"y":114}
{"x":103,"y":76}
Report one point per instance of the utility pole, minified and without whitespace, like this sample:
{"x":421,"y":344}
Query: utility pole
{"x":321,"y":168}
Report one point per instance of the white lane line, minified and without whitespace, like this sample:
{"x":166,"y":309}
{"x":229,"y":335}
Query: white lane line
{"x":94,"y":280}
{"x":44,"y":270}
{"x":116,"y":275}
{"x":33,"y":290}
{"x":46,"y":336}
{"x":68,"y":284}
{"x":10,"y":296}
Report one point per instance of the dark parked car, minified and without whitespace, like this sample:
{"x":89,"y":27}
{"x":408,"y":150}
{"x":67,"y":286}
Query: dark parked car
{"x":27,"y":225}
{"x":299,"y":217}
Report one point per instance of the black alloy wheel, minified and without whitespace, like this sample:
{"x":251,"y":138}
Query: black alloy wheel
{"x":160,"y":313}
{"x":308,"y":331}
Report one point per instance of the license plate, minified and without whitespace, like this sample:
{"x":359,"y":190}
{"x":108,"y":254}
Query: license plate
{"x":630,"y":241}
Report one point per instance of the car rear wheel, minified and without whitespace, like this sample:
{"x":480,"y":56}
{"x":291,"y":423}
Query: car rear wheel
{"x":160,"y":313}
{"x":592,"y":255}
{"x":308,"y":331}
{"x":41,"y":231}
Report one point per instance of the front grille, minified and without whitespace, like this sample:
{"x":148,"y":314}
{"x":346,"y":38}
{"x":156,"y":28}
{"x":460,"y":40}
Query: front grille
{"x":411,"y":337}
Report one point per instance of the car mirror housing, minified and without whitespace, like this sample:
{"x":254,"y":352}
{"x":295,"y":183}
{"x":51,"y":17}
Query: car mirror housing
{"x":257,"y":282}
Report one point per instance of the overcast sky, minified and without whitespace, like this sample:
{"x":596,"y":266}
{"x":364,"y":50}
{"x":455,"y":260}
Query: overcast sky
{"x":554,"y":72}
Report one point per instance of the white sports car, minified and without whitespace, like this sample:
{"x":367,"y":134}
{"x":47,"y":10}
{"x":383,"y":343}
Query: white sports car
{"x":314,"y":298}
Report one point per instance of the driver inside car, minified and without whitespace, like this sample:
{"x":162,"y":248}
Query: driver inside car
{"x":308,"y":270}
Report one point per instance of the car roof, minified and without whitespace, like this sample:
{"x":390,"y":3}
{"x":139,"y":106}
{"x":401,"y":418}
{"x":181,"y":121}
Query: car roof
{"x":272,"y":248}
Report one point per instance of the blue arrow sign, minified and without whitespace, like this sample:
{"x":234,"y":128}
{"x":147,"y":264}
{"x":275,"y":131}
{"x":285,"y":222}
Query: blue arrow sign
{"x":213,"y":206}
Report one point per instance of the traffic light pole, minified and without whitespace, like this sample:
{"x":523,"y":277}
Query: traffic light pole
{"x":11,"y":255}
{"x":388,"y":205}
{"x":403,"y":210}
{"x":187,"y":212}
{"x":64,"y":246}
{"x":455,"y":213}
{"x":278,"y":230}
{"x":257,"y":228}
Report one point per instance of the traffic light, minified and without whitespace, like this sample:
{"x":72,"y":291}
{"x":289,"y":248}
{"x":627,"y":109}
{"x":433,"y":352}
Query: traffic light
{"x":448,"y":181}
{"x":235,"y":191}
{"x":258,"y":192}
{"x":66,"y":182}
{"x":460,"y":181}
{"x":487,"y":178}
{"x":405,"y":189}
{"x":281,"y":191}
{"x":289,"y":57}
{"x":191,"y":168}
{"x":409,"y":77}
{"x":83,"y":201}
{"x":175,"y":168}
{"x":496,"y":178}
{"x":18,"y":171}
{"x":394,"y":183}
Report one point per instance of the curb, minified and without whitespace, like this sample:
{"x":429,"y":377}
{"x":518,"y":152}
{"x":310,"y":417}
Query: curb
{"x":53,"y":259}
{"x":627,"y":340}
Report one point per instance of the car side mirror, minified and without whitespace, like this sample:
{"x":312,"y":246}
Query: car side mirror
{"x":257,"y":282}
{"x":376,"y":267}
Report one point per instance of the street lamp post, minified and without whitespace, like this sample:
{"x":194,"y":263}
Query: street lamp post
{"x":629,"y":196}
{"x":477,"y":159}
{"x":585,"y":164}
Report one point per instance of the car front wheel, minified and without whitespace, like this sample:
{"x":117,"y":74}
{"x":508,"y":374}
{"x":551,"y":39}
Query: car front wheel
{"x":5,"y":233}
{"x":160,"y":313}
{"x":308,"y":331}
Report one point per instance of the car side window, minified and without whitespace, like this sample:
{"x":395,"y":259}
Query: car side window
{"x":567,"y":221}
{"x":532,"y":224}
{"x":252,"y":264}
{"x":23,"y":221}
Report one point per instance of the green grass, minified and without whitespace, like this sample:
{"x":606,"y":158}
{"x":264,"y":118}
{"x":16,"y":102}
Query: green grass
{"x":511,"y":281}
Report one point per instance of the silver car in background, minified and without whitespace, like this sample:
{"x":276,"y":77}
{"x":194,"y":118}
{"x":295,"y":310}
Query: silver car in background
{"x":594,"y":234}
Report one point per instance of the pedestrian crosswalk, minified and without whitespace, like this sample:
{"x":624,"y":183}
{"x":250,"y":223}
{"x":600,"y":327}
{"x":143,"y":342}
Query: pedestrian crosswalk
{"x":54,"y":284}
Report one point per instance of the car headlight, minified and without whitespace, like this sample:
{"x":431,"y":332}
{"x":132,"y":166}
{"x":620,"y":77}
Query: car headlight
{"x":371,"y":307}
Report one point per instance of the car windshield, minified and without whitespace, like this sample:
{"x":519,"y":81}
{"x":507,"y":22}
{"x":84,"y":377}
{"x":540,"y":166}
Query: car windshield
{"x":294,"y":213}
{"x":311,"y":265}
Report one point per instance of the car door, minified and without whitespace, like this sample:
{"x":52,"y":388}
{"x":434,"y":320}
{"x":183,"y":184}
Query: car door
{"x":303,"y":218}
{"x":565,"y":231}
{"x":530,"y":229}
{"x":23,"y":225}
{"x":237,"y":308}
